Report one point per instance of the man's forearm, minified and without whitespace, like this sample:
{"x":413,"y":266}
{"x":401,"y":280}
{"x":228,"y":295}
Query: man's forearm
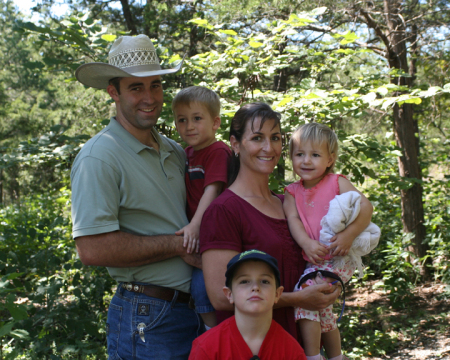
{"x":121,"y":249}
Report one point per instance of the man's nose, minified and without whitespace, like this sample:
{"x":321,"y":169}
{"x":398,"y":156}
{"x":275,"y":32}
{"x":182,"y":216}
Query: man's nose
{"x":149,"y":96}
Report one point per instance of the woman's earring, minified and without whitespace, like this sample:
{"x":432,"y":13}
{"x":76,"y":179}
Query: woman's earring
{"x":236,"y":154}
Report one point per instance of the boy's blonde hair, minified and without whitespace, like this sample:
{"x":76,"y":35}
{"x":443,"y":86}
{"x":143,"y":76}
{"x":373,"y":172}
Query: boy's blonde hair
{"x":198,"y":94}
{"x":317,"y":134}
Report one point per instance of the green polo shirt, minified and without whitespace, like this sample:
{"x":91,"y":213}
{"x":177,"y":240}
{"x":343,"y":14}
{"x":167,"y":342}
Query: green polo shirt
{"x":119,"y":183}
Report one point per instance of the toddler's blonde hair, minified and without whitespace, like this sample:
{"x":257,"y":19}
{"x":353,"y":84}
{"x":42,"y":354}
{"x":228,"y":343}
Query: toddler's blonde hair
{"x":317,"y":134}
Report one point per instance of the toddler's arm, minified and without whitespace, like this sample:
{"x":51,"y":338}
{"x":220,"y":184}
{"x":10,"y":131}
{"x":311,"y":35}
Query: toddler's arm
{"x":191,"y":230}
{"x":313,"y":249}
{"x":342,"y":242}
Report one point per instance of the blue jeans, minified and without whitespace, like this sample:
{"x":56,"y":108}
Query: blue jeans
{"x":198,"y":292}
{"x":168,"y":328}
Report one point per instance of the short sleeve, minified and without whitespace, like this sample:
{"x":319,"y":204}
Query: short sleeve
{"x":216,"y":166}
{"x":291,"y":189}
{"x":95,"y":197}
{"x":220,"y":229}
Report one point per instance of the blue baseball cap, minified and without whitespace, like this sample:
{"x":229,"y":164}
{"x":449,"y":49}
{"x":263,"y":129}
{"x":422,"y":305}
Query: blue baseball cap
{"x":255,"y":255}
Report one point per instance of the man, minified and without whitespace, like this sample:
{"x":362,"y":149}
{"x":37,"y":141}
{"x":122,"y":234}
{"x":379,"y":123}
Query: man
{"x":128,"y":199}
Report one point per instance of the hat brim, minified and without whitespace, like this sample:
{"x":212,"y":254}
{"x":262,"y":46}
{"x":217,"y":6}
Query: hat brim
{"x":97,"y":75}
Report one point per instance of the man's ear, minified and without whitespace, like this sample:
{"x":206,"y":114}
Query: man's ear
{"x":228,"y":294}
{"x":278,"y":293}
{"x":216,"y":123}
{"x":112,"y":91}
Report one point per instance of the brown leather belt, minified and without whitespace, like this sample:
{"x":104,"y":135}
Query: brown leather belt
{"x":158,"y":292}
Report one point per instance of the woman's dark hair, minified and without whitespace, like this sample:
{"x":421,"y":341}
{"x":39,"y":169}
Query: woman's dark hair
{"x":248,"y":113}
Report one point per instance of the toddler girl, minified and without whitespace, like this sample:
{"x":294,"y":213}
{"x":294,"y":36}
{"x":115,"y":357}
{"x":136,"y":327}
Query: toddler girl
{"x":313,"y":149}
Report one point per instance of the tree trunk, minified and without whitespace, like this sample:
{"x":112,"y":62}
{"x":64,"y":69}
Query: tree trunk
{"x":406,"y":132}
{"x":128,"y":17}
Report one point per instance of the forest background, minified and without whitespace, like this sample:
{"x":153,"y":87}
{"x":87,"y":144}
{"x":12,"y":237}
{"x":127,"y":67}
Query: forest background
{"x":377,"y":72}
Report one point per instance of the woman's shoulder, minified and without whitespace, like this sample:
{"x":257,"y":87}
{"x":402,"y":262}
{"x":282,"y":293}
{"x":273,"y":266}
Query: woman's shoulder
{"x":228,"y":201}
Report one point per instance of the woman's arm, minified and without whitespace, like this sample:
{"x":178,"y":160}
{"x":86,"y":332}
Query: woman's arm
{"x":214,"y":267}
{"x":314,"y":297}
{"x":342,"y":242}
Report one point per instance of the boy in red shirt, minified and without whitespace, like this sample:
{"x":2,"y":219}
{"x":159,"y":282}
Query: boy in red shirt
{"x":253,"y":286}
{"x":197,"y":118}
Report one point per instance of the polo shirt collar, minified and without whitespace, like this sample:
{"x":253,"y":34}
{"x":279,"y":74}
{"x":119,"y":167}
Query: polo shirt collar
{"x":134,"y":143}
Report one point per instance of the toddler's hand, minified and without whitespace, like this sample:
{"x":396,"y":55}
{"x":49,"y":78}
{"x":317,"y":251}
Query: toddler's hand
{"x":340,"y":244}
{"x":191,"y":237}
{"x":315,"y":251}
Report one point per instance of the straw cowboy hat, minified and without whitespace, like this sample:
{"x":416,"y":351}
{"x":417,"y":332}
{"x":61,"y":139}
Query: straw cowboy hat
{"x":129,"y":56}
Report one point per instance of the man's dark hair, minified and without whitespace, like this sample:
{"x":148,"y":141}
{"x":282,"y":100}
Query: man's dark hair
{"x":116,"y":83}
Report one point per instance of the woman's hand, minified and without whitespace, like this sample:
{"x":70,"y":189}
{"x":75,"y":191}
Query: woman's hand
{"x":314,"y":297}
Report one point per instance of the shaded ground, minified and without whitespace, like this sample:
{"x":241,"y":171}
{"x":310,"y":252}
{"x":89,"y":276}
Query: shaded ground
{"x":419,"y":330}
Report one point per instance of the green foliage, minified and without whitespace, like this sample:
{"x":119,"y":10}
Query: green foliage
{"x":54,"y":305}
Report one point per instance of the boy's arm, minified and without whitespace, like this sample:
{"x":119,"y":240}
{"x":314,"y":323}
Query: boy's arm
{"x":313,"y":249}
{"x":192,"y":230}
{"x":342,"y":242}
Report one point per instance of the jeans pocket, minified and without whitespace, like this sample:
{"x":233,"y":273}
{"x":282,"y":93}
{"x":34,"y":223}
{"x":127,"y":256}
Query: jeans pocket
{"x":113,"y":330}
{"x":151,"y":313}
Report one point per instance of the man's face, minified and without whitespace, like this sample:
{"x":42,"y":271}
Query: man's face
{"x":139,"y":103}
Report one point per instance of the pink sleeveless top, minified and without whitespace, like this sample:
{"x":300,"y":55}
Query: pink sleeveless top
{"x":313,"y":204}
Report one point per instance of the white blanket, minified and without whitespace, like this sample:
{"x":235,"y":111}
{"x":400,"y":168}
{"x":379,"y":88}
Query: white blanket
{"x":344,"y":209}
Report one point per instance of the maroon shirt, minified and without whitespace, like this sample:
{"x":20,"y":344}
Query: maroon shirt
{"x":204,"y":167}
{"x":232,"y":223}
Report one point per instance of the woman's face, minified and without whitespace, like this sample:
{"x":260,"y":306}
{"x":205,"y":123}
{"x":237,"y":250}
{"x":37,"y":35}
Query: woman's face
{"x":259,"y":150}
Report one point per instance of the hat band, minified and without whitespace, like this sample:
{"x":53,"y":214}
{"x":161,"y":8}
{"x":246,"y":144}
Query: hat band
{"x":143,"y":68}
{"x":135,"y":57}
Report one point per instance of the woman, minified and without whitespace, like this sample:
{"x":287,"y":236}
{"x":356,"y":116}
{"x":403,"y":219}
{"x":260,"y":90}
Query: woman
{"x":249,"y":216}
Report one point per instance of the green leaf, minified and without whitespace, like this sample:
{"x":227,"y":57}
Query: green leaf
{"x":228,"y":32}
{"x":199,"y":22}
{"x":109,"y":37}
{"x":416,"y":101}
{"x":349,"y":37}
{"x":6,"y":329}
{"x":255,"y":44}
{"x":20,"y":334}
{"x":318,"y":11}
{"x":382,"y":90}
{"x":283,"y":102}
{"x":18,"y":312}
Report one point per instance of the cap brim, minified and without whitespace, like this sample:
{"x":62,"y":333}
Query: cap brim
{"x":97,"y":75}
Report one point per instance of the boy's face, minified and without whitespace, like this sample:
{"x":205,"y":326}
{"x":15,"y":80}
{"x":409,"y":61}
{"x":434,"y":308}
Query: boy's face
{"x":195,"y":125}
{"x":253,"y":288}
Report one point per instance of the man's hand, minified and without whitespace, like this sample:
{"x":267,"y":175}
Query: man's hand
{"x":193,"y":259}
{"x":190,"y":234}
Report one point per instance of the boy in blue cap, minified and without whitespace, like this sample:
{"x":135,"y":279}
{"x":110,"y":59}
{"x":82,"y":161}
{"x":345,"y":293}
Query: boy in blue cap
{"x":253,"y":286}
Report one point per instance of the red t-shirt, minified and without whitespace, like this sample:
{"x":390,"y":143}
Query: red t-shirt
{"x":204,"y":167}
{"x":232,"y":223}
{"x":225,"y":342}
